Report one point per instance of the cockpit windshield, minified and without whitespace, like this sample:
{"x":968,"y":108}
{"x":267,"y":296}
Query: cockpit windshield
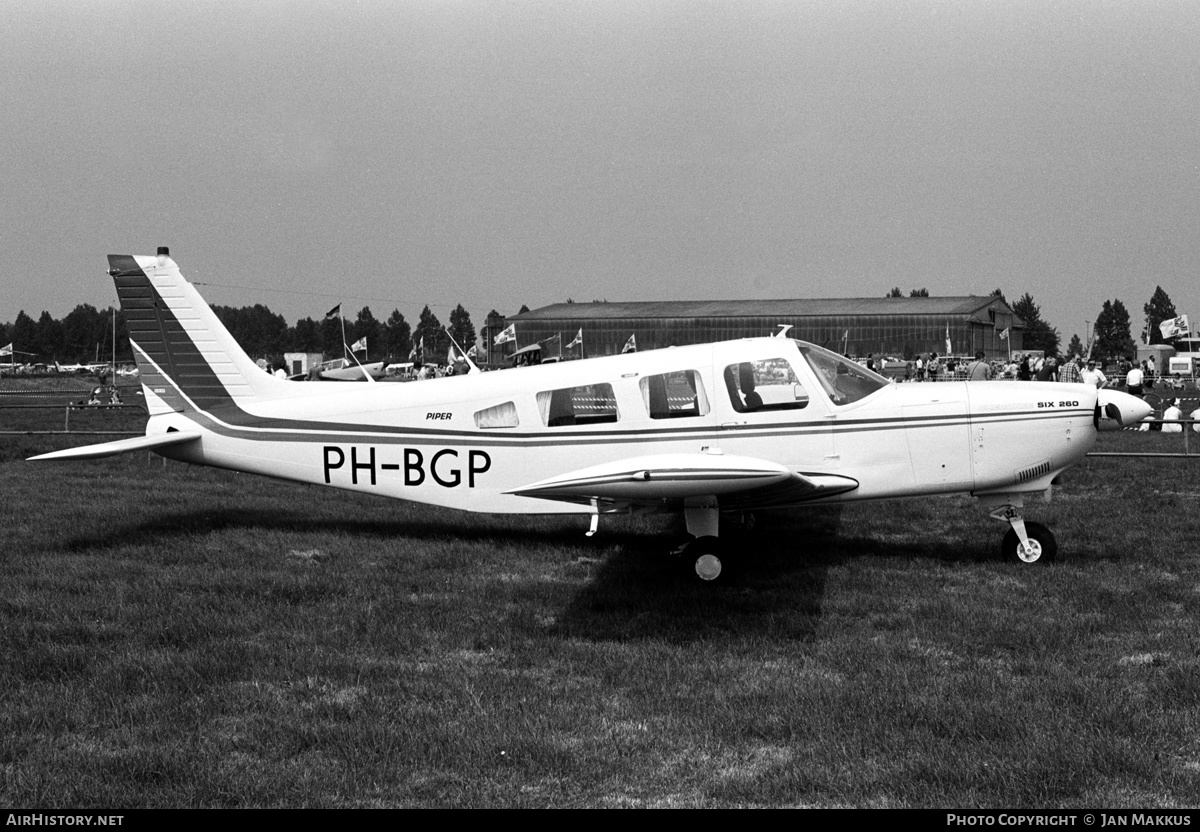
{"x":842,"y":379}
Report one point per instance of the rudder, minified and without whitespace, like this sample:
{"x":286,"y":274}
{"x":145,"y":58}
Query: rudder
{"x":186,"y":357}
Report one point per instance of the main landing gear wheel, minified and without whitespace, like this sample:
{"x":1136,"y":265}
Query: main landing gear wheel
{"x":704,"y":559}
{"x":1041,"y":540}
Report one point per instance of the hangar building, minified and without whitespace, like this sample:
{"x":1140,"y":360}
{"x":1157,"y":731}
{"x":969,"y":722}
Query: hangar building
{"x":899,"y":327}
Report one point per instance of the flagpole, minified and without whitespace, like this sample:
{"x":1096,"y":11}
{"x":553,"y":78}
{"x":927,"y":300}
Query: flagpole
{"x":465,"y":355}
{"x":360,"y":366}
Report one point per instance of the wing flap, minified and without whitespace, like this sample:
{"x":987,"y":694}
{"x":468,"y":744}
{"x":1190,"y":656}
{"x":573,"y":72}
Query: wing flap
{"x":670,"y":477}
{"x":121,"y":446}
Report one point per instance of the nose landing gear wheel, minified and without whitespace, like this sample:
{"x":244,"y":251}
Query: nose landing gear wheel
{"x":1041,"y":540}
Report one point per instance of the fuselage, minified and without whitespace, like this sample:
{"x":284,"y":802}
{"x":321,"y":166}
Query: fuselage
{"x":463,"y":442}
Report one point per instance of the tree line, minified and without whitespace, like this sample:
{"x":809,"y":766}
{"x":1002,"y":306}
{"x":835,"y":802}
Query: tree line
{"x":85,"y":335}
{"x":1111,"y":334}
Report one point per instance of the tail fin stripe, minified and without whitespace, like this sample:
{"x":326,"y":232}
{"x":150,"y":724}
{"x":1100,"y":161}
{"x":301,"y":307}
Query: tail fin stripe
{"x":154,"y":327}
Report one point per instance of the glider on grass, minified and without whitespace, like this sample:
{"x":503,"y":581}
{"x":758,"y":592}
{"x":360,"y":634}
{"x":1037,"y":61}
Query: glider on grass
{"x":709,"y":430}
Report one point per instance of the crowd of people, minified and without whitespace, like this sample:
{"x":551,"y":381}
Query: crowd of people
{"x":1137,"y":377}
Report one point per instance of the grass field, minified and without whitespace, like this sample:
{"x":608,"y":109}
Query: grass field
{"x":177,"y":636}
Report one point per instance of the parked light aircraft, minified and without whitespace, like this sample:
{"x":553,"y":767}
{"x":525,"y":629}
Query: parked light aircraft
{"x":704,"y":429}
{"x":81,"y":368}
{"x":343,"y":369}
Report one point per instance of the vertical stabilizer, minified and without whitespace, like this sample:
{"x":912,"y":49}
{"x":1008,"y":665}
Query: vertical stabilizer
{"x":186,"y":357}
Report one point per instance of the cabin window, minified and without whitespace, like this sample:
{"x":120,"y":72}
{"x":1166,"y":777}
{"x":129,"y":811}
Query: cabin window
{"x":588,"y":404}
{"x":500,"y":416}
{"x":844,"y":380}
{"x":674,"y":395}
{"x":766,"y":384}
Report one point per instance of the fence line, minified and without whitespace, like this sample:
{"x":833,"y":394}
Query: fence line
{"x":67,"y":408}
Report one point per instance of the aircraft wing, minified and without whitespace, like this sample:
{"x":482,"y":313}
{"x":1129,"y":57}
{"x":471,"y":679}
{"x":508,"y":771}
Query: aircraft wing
{"x":737,"y":481}
{"x":121,"y":446}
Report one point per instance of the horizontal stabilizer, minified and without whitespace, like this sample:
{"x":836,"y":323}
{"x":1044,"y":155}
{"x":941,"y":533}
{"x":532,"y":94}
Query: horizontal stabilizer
{"x":121,"y":446}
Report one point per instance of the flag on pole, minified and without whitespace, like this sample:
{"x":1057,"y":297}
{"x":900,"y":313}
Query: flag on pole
{"x":7,"y":350}
{"x":413,"y":352}
{"x":1169,"y":329}
{"x":473,"y":352}
{"x":631,"y":344}
{"x":360,"y":344}
{"x":509,"y":333}
{"x":578,"y":339}
{"x":1004,"y":334}
{"x":949,"y":350}
{"x":450,"y":355}
{"x":335,"y":312}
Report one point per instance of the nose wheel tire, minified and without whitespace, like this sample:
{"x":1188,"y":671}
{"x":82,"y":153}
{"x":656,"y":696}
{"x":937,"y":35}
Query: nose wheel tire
{"x":1044,"y":546}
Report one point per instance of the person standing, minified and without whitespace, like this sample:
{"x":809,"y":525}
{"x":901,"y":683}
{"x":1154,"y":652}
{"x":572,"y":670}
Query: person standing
{"x":1069,"y":372}
{"x":979,"y":369}
{"x":1094,"y":375}
{"x":1048,"y":371}
{"x":1134,"y":381}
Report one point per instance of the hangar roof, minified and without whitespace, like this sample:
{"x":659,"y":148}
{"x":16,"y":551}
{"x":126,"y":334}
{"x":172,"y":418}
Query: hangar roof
{"x":968,"y":306}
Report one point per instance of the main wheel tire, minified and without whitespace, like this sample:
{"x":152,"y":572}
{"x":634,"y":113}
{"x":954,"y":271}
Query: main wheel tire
{"x":704,"y":559}
{"x":1045,"y":547}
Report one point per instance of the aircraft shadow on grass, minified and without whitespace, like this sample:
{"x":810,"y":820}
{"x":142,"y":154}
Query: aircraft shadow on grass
{"x":633,"y":590}
{"x":777,"y":587}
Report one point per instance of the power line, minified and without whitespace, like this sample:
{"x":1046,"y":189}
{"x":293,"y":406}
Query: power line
{"x":450,"y":306}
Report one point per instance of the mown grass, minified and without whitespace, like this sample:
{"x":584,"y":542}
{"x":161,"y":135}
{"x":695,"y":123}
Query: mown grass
{"x":176,"y":636}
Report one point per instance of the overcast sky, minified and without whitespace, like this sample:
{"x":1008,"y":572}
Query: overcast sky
{"x":397,"y":154}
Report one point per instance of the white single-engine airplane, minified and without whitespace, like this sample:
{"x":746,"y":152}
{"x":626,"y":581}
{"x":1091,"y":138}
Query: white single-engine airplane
{"x":703,"y":429}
